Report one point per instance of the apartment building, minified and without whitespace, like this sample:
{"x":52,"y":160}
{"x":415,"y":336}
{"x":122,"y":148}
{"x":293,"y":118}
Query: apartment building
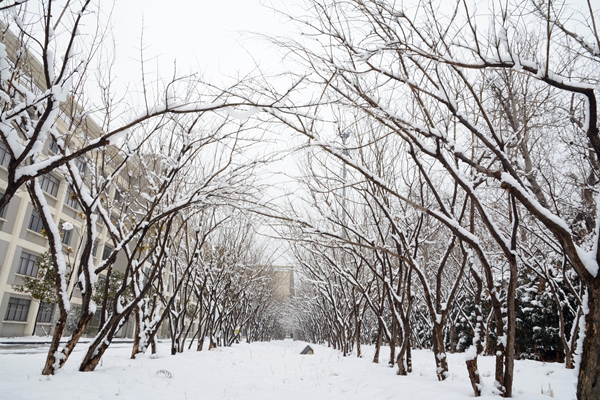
{"x":22,"y":240}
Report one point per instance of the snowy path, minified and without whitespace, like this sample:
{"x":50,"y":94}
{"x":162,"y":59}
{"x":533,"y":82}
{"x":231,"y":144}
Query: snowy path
{"x":273,"y":370}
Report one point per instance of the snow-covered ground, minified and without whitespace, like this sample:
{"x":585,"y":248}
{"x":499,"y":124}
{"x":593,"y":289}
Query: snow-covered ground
{"x":273,"y":370}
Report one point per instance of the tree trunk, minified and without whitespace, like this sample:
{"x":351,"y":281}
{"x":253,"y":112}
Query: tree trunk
{"x":474,"y":376}
{"x":588,"y":384}
{"x":102,"y":341}
{"x":153,"y":345}
{"x":51,"y":361}
{"x":37,"y":316}
{"x":201,"y":334}
{"x":478,"y":336}
{"x":441,"y":361}
{"x":453,"y":338}
{"x":136,"y":335}
{"x":408,"y":354}
{"x":378,"y":342}
{"x":509,"y":352}
{"x":54,"y":345}
{"x":393,"y":344}
{"x":100,"y":344}
{"x":358,"y":324}
{"x":571,"y":346}
{"x":402,"y":370}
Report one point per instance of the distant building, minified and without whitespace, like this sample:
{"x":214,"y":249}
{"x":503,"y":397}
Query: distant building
{"x":283,"y":277}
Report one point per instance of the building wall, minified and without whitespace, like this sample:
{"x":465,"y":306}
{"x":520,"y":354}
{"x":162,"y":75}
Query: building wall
{"x":15,"y":237}
{"x":283,"y":280}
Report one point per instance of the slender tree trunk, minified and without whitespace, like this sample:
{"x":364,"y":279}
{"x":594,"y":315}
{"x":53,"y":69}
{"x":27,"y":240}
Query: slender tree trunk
{"x":439,"y":353}
{"x":588,"y":384}
{"x":358,"y":324}
{"x":400,"y":359}
{"x":378,"y":341}
{"x":59,"y":327}
{"x":49,"y":368}
{"x":101,"y":343}
{"x":571,"y":345}
{"x":453,"y":338}
{"x":136,"y":335}
{"x":408,"y":353}
{"x":478,"y":334}
{"x":393,"y":344}
{"x":474,"y":376}
{"x":153,"y":345}
{"x":105,"y":296}
{"x":37,"y":316}
{"x":509,"y":362}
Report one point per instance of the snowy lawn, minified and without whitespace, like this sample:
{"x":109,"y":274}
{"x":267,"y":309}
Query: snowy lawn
{"x":273,"y":370}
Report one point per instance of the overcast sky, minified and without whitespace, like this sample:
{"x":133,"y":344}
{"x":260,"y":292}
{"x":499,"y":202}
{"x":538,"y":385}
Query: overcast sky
{"x":201,"y":35}
{"x":213,"y":37}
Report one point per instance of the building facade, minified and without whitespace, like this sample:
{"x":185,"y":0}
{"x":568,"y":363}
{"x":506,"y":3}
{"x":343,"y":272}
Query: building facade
{"x":22,"y":238}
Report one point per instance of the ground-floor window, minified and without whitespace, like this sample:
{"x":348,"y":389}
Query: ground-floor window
{"x":45,"y":312}
{"x":17,"y":309}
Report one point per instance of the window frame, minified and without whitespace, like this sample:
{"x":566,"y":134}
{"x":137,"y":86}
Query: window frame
{"x":66,"y":235}
{"x":71,"y":202}
{"x":35,"y":222}
{"x":53,"y":146}
{"x":28,"y":265}
{"x":19,"y":308}
{"x":50,"y":184}
{"x":106,"y":252}
{"x":4,"y":155}
{"x":45,"y":313}
{"x":3,"y":209}
{"x":81,"y":165}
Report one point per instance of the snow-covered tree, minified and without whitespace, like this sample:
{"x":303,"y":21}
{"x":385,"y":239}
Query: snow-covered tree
{"x":498,"y":113}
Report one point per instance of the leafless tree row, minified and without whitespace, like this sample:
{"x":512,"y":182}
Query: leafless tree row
{"x":164,"y":179}
{"x":471,"y":144}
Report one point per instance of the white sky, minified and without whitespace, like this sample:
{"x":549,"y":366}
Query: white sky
{"x":212,"y":37}
{"x":201,"y":35}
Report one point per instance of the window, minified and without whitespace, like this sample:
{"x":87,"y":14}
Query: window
{"x":118,"y":196}
{"x":35,"y":222}
{"x":3,"y":209}
{"x":50,"y":184}
{"x":53,"y":146}
{"x":107,"y":252}
{"x":17,"y":309}
{"x":28,"y":264}
{"x":66,"y":235}
{"x":4,"y":155}
{"x":80,"y":164}
{"x":71,"y":199}
{"x":45,"y":312}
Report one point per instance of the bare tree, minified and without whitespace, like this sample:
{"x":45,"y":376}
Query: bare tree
{"x":447,"y":92}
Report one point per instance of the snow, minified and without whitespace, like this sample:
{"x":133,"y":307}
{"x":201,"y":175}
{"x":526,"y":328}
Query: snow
{"x":471,"y":353}
{"x":507,"y":178}
{"x":588,"y":258}
{"x":239,"y":114}
{"x":274,"y":370}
